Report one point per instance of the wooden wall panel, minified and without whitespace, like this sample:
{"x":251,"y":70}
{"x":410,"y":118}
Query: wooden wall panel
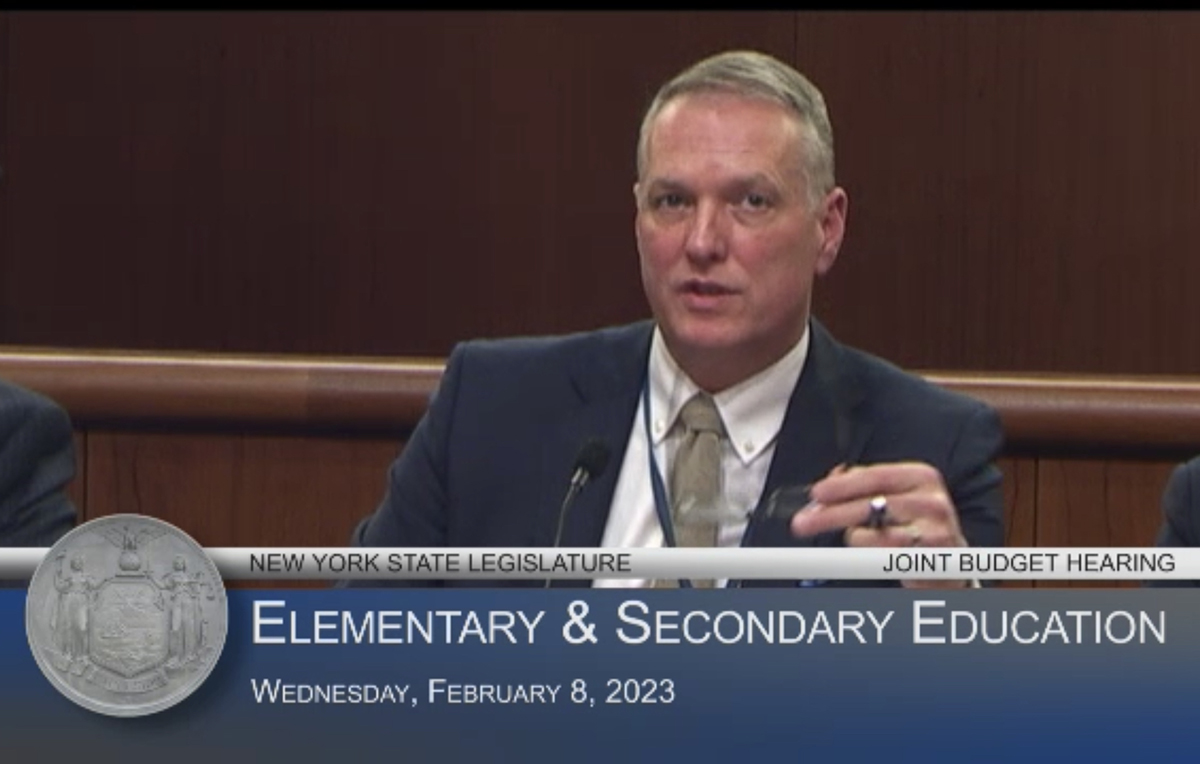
{"x":252,"y":490}
{"x":1023,"y":185}
{"x":5,"y":249}
{"x":1097,"y":503}
{"x":77,"y":490}
{"x":332,"y":182}
{"x":1020,"y":506}
{"x":1020,"y":500}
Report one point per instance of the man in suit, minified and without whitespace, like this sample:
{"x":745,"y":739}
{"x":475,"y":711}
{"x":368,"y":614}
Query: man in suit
{"x":737,"y":214}
{"x":1181,"y":514}
{"x":37,"y":461}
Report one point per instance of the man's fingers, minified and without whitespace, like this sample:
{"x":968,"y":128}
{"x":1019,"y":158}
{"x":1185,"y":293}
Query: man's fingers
{"x":890,"y":478}
{"x":904,"y":508}
{"x":888,"y":536}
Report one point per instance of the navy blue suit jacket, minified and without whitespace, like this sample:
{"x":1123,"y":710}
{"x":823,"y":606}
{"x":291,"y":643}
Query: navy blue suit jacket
{"x":37,"y":461}
{"x":1181,"y":513}
{"x":489,"y":463}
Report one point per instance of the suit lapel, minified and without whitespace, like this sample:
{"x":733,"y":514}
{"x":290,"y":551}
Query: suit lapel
{"x":607,"y":382}
{"x":821,"y":429}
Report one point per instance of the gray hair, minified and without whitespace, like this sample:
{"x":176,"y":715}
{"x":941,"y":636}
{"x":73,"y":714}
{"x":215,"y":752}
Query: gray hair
{"x":756,"y":75}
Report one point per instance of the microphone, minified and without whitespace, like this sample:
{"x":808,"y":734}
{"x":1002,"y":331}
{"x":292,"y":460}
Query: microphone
{"x":590,"y":464}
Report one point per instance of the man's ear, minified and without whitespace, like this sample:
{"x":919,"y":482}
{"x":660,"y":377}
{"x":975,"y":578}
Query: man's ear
{"x":832,"y":223}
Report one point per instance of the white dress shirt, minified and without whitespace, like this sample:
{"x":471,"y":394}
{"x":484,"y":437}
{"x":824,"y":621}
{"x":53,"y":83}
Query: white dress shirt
{"x":752,"y":412}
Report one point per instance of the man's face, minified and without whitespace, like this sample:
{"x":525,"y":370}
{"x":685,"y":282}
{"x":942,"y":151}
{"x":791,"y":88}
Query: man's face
{"x":728,"y":237}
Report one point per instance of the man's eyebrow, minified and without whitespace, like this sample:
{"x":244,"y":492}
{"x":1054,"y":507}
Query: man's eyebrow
{"x":740,"y":181}
{"x":755,"y":179}
{"x":665,"y":184}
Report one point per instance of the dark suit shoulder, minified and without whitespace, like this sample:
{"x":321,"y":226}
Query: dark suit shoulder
{"x":556,"y":349}
{"x":28,"y":418}
{"x":598,"y":362}
{"x":18,"y":404}
{"x":911,"y":418}
{"x":1181,"y":506}
{"x":1180,"y":525}
{"x":902,"y":393}
{"x":1189,"y":473}
{"x":37,"y":461}
{"x":908,"y":418}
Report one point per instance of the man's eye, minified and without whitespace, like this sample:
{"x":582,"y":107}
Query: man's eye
{"x":757,"y":201}
{"x":669,"y":201}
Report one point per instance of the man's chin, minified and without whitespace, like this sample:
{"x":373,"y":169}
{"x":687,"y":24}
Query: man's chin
{"x":705,"y":339}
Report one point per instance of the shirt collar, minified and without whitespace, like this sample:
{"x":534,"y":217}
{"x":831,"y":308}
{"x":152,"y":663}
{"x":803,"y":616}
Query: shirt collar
{"x":751,"y":410}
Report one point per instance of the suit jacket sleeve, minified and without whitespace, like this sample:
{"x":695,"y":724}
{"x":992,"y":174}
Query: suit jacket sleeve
{"x":37,"y":461}
{"x":414,"y":511}
{"x":974,"y":480}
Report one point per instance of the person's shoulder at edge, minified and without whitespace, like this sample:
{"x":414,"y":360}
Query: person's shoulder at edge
{"x":1181,"y":506}
{"x":1180,"y":515}
{"x":37,"y":461}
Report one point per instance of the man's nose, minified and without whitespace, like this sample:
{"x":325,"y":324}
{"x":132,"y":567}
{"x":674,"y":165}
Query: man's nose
{"x":707,"y":239}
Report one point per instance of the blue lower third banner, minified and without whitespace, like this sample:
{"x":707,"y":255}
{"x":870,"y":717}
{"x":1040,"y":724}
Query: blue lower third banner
{"x":609,"y":675}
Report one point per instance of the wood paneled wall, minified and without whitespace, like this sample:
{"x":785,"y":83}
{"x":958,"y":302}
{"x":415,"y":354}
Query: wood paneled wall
{"x":1023,"y":186}
{"x":230,"y":489}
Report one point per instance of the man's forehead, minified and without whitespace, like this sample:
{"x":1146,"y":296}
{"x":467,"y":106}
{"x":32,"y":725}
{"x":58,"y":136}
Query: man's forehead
{"x":747,"y":138}
{"x":722,"y":106}
{"x":731,"y":116}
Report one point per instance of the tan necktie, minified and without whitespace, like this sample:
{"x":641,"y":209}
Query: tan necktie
{"x":696,"y":476}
